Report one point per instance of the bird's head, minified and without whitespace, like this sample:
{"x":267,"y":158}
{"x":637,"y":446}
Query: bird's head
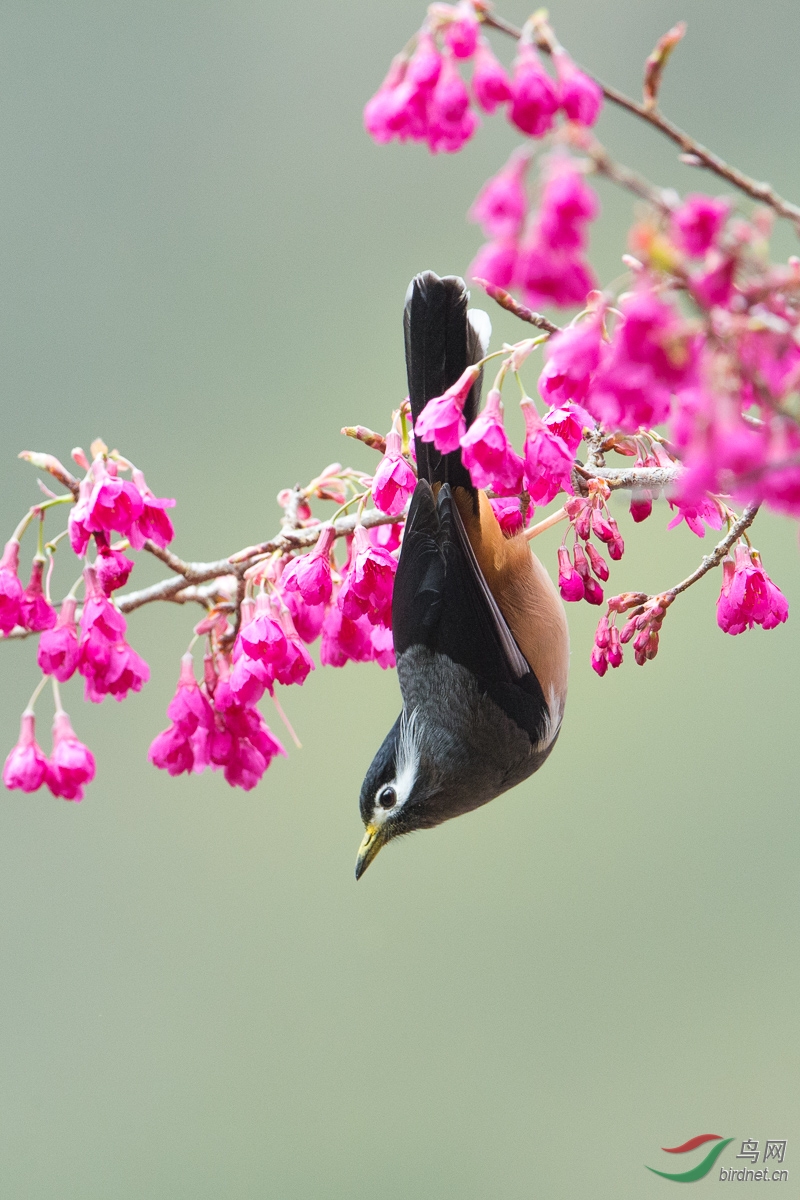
{"x":396,"y":792}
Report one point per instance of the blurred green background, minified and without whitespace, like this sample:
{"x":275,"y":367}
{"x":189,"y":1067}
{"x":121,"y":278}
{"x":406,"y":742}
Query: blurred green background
{"x":204,"y":260}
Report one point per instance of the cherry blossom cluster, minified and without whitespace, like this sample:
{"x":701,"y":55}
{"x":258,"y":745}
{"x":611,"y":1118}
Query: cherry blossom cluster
{"x":680,"y":380}
{"x":425,"y":99}
{"x":95,"y":646}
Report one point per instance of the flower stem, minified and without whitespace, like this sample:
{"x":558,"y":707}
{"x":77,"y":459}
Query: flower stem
{"x":29,"y":707}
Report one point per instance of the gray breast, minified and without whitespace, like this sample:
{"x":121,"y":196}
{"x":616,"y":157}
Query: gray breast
{"x":474,"y":749}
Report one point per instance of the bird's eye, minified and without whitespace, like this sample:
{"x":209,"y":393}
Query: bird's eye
{"x":387,"y":797}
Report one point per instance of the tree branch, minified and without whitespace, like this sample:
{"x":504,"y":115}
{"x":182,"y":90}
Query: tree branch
{"x":718,"y":553}
{"x":507,"y":301}
{"x":699,"y":154}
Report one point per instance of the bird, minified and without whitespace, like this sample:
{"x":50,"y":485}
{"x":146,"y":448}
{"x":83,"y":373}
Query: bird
{"x":480,"y":633}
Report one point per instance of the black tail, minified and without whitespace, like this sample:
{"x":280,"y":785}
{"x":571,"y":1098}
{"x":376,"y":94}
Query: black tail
{"x":441,"y":342}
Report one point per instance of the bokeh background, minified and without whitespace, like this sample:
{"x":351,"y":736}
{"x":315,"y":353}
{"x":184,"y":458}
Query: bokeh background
{"x":203,"y":260}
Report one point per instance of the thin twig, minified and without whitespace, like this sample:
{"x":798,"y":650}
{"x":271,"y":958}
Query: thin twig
{"x":507,"y":301}
{"x":762,"y":192}
{"x":718,"y":553}
{"x":665,"y":200}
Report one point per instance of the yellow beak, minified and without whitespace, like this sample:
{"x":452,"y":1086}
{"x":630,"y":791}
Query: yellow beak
{"x":374,"y":838}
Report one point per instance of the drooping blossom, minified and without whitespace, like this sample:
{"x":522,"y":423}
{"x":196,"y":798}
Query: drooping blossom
{"x":394,"y":480}
{"x":171,"y":750}
{"x":37,"y":613}
{"x":568,"y":422}
{"x":152,"y":522}
{"x":114,"y":503}
{"x":112,"y":567}
{"x":487,"y":453}
{"x":571,"y":358}
{"x":597,"y":562}
{"x":548,"y":462}
{"x":748,"y":596}
{"x":79,"y":532}
{"x":592,"y":592}
{"x":704,"y":510}
{"x":508,"y":511}
{"x":570,"y":583}
{"x":109,"y":665}
{"x":561,"y":278}
{"x":461,"y":33}
{"x":386,"y":113}
{"x":581,"y":97}
{"x":26,"y":765}
{"x":189,"y":707}
{"x":442,"y":419}
{"x":71,"y":765}
{"x":10,"y":588}
{"x":368,"y":586}
{"x":344,"y":640}
{"x":568,"y":204}
{"x":57,"y":654}
{"x":450,"y":120}
{"x":309,"y":575}
{"x":651,"y":354}
{"x":696,"y":225}
{"x":534,"y":95}
{"x":502,"y":203}
{"x":495,"y":262}
{"x":490,"y":83}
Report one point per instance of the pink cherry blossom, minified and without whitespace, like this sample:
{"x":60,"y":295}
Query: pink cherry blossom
{"x":490,"y":83}
{"x":115,"y":672}
{"x":368,"y":586}
{"x":748,"y":596}
{"x":189,"y":708}
{"x":571,"y":357}
{"x":597,"y":562}
{"x":172,"y":751}
{"x":496,"y":262}
{"x":114,"y":503}
{"x":695,"y":514}
{"x":461,"y":34}
{"x":558,"y":277}
{"x":79,"y":532}
{"x":386,"y":113}
{"x":112,"y":567}
{"x":71,"y":764}
{"x":487,"y":453}
{"x":344,"y":640}
{"x":508,"y":511}
{"x":650,"y":355}
{"x":442,"y":419}
{"x":309,"y":575}
{"x":10,"y":588}
{"x":152,"y":522}
{"x":26,"y":766}
{"x":581,"y":97}
{"x":57,"y":654}
{"x":534,"y":96}
{"x":568,"y":205}
{"x":394,"y":480}
{"x":570,"y":583}
{"x":568,"y":422}
{"x":450,"y":120}
{"x":36,"y":612}
{"x":548,"y":462}
{"x":502,"y":203}
{"x":307,"y":618}
{"x":425,"y":64}
{"x":696,"y":225}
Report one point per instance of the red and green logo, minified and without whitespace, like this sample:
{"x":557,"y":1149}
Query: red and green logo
{"x":702,"y":1168}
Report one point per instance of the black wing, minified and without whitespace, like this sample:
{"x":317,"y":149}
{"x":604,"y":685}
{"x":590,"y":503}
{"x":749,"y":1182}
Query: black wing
{"x":442,"y":601}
